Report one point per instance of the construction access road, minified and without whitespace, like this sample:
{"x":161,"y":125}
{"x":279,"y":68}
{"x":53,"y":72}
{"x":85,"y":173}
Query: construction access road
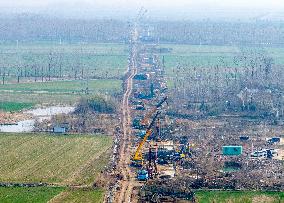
{"x":128,"y":182}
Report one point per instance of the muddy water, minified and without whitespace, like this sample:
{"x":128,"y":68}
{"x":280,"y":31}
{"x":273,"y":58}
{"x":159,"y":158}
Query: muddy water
{"x":38,"y":114}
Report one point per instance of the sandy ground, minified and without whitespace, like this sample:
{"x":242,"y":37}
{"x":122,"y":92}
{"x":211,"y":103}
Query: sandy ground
{"x":11,"y":118}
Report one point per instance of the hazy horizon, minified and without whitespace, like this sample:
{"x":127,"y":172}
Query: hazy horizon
{"x":157,"y":9}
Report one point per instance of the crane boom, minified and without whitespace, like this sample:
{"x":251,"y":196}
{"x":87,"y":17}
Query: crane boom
{"x":148,"y":115}
{"x":138,"y":153}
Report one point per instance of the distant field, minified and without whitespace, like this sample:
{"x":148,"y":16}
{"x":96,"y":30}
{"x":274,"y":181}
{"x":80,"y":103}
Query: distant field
{"x":39,"y":98}
{"x":37,"y":61}
{"x":52,"y":194}
{"x":75,"y":86}
{"x":51,"y":158}
{"x":80,"y":195}
{"x":98,"y":60}
{"x":199,"y":55}
{"x":14,"y":106}
{"x":31,"y":195}
{"x":239,"y":197}
{"x":66,"y":92}
{"x":207,"y":57}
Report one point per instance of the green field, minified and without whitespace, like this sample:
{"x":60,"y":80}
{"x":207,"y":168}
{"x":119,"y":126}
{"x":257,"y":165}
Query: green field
{"x":31,"y":195}
{"x":239,"y":197}
{"x":75,"y":86}
{"x":52,"y":194}
{"x":198,"y":55}
{"x":66,"y":159}
{"x":26,"y":195}
{"x":27,"y":68}
{"x":203,"y":58}
{"x":98,"y":60}
{"x":39,"y":98}
{"x":80,"y":195}
{"x":14,"y":106}
{"x":66,"y":92}
{"x":208,"y":56}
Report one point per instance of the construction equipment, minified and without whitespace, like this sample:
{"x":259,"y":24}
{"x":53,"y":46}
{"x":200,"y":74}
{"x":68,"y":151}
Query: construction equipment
{"x":145,"y":121}
{"x":137,"y":159}
{"x":152,"y":158}
{"x":142,"y":95}
{"x":142,"y":175}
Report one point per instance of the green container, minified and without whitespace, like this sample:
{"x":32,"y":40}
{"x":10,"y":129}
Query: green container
{"x":232,"y":150}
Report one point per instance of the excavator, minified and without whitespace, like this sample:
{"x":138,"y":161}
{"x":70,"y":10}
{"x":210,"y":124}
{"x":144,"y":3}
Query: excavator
{"x":137,"y":159}
{"x":145,"y":121}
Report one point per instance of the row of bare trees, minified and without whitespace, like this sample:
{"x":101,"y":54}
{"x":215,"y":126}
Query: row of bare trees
{"x":252,"y":82}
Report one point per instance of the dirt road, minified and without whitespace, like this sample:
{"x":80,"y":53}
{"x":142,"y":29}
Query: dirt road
{"x":128,"y":182}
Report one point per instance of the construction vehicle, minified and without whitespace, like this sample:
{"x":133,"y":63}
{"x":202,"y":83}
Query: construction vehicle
{"x":136,"y":124}
{"x":137,"y":159}
{"x":141,"y":95}
{"x":148,"y":115}
{"x":140,"y":107}
{"x":184,"y":150}
{"x":142,"y":175}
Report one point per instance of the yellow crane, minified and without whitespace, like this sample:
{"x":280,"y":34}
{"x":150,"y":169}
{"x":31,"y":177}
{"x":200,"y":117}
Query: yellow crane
{"x":137,"y":159}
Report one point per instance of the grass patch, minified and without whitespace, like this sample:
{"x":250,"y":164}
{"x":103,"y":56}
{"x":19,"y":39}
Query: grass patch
{"x":38,"y":98}
{"x":95,"y":86}
{"x":80,"y":60}
{"x":52,"y":159}
{"x":81,"y":195}
{"x":64,"y":92}
{"x":239,"y":196}
{"x":14,"y":106}
{"x":31,"y":195}
{"x":98,"y":59}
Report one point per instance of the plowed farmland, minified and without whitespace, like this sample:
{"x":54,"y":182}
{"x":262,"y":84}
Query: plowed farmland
{"x":68,"y":159}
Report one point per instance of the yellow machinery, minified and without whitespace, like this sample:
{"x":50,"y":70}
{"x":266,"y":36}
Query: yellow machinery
{"x":137,"y":159}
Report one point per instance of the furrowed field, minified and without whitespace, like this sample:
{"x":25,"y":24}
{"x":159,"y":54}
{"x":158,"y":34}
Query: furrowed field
{"x":52,"y":159}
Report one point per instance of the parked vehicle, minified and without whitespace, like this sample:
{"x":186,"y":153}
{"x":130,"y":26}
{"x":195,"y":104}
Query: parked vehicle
{"x":142,"y":175}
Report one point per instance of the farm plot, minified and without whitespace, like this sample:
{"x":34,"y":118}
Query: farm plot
{"x":80,"y":195}
{"x":14,"y":106}
{"x":198,"y":56}
{"x":59,"y":73}
{"x":32,"y":194}
{"x":63,"y":60}
{"x":68,"y":159}
{"x":49,"y":194}
{"x":94,"y":86}
{"x":57,"y":91}
{"x":197,"y":59}
{"x":239,"y":196}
